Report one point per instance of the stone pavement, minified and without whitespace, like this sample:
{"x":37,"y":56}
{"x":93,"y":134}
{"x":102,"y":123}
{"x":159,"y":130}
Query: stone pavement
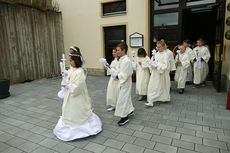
{"x":196,"y":121}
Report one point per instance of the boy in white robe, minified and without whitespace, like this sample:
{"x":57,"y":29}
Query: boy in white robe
{"x":77,"y":120}
{"x":142,"y":63}
{"x":159,"y":83}
{"x":113,"y":85}
{"x":182,"y":63}
{"x":191,"y":56}
{"x":202,"y":56}
{"x":124,"y":107}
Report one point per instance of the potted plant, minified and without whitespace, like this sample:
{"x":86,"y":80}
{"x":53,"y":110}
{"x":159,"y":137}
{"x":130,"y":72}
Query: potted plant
{"x":4,"y":88}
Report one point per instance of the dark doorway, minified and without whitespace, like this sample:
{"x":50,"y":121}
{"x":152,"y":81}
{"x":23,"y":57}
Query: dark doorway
{"x":201,"y":23}
{"x":113,"y":35}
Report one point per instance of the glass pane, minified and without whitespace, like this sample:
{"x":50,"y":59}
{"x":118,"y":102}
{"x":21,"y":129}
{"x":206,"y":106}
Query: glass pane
{"x":165,"y":4}
{"x":200,"y":2}
{"x":114,"y":7}
{"x":166,"y":19}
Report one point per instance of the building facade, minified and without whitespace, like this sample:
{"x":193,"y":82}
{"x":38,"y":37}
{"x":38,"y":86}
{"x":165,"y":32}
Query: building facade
{"x":97,"y":26}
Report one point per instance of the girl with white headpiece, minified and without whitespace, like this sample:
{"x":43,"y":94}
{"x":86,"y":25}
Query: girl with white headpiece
{"x":77,"y":119}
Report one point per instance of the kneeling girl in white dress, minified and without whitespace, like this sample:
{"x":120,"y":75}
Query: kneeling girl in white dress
{"x":182,"y":64}
{"x":77,"y":120}
{"x":113,"y":86}
{"x":159,"y":82}
{"x":142,"y":63}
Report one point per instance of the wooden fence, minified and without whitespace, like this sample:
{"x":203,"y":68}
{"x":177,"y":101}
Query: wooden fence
{"x":31,"y":42}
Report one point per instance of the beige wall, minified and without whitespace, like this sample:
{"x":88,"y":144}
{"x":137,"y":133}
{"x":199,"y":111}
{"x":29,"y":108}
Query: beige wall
{"x":226,"y":64}
{"x":83,"y":26}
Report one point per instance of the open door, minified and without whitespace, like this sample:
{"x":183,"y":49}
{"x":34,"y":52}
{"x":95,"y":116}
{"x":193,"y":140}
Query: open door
{"x":219,"y":45}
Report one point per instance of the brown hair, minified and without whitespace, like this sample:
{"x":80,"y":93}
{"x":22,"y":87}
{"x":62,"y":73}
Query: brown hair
{"x":76,"y":52}
{"x":77,"y":60}
{"x":187,"y":41}
{"x":123,"y":46}
{"x":141,"y":51}
{"x":201,"y":39}
{"x":161,"y":42}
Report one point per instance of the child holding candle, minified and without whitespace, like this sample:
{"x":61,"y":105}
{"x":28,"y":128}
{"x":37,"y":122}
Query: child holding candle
{"x":113,"y":86}
{"x":182,"y":63}
{"x":142,"y":73}
{"x":159,"y":82}
{"x":77,"y":120}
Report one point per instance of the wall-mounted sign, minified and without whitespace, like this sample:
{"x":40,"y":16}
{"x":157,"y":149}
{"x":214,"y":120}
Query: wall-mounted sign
{"x":228,"y":7}
{"x":227,"y":35}
{"x":136,"y":40}
{"x":228,"y":21}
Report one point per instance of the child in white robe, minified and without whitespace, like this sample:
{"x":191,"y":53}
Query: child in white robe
{"x":113,"y":85}
{"x":142,"y":73}
{"x":202,"y":56}
{"x":182,"y":63}
{"x":159,"y":83}
{"x":191,"y":56}
{"x":77,"y":120}
{"x":124,"y":107}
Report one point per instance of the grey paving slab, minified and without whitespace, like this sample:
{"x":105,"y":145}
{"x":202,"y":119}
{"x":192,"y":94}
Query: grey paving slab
{"x":203,"y":148}
{"x":198,"y":117}
{"x":3,"y":146}
{"x":11,"y":150}
{"x":42,"y":150}
{"x":94,"y":147}
{"x":165,"y":148}
{"x":132,"y":148}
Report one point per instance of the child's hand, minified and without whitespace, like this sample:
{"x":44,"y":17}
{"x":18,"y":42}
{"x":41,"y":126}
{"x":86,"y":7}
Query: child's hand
{"x":178,"y":62}
{"x":140,"y":63}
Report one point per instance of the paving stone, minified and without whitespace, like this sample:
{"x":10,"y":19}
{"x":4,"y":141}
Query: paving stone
{"x":5,"y":137}
{"x":125,"y":138}
{"x":132,"y":148}
{"x":135,"y":127}
{"x":11,"y":150}
{"x":49,"y":143}
{"x":125,"y":131}
{"x":165,"y":148}
{"x":28,"y":146}
{"x":224,"y":151}
{"x":203,"y":148}
{"x":151,"y":151}
{"x":224,"y":138}
{"x":77,"y":150}
{"x":183,"y":144}
{"x":152,"y":130}
{"x":166,"y":127}
{"x":42,"y":150}
{"x":206,"y":135}
{"x":170,"y":134}
{"x":111,"y":150}
{"x":96,"y":148}
{"x":3,"y":146}
{"x":186,"y":131}
{"x":193,"y":139}
{"x":214,"y":143}
{"x":16,"y":141}
{"x":144,"y":143}
{"x":142,"y":135}
{"x":109,"y":134}
{"x":161,"y":139}
{"x":98,"y":139}
{"x":181,"y":150}
{"x":35,"y":138}
{"x":114,"y":143}
{"x":193,"y":127}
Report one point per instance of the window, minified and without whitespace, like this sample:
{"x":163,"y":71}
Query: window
{"x":166,"y":19}
{"x":165,"y":4}
{"x":114,"y":8}
{"x":199,"y":2}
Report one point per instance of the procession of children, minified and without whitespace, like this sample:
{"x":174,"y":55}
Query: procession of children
{"x":152,"y":84}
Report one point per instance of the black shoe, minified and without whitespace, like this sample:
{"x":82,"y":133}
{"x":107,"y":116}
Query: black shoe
{"x":130,"y":114}
{"x":123,"y":121}
{"x":181,"y":91}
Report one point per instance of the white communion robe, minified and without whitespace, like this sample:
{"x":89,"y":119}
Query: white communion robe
{"x":159,"y":82}
{"x":181,"y":70}
{"x":77,"y":120}
{"x":142,"y":75}
{"x":113,"y":86}
{"x":124,"y":104}
{"x":171,"y":60}
{"x":191,"y":56}
{"x":201,"y":68}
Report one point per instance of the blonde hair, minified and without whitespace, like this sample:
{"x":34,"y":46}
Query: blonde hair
{"x":162,"y":42}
